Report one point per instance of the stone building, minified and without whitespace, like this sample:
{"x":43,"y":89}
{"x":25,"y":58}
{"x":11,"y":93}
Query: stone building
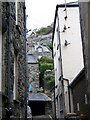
{"x":85,"y":31}
{"x":42,"y":39}
{"x":13,"y":60}
{"x":39,"y":45}
{"x":79,"y":95}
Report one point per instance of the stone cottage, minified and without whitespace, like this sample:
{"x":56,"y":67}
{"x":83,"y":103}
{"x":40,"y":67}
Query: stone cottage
{"x":13,"y":60}
{"x":40,"y":45}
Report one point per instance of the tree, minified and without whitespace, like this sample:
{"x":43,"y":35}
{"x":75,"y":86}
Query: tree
{"x":45,"y":59}
{"x":45,"y":64}
{"x":44,"y":30}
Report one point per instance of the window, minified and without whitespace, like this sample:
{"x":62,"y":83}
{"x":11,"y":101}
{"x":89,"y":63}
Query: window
{"x":15,"y":86}
{"x":86,"y":99}
{"x":54,"y":44}
{"x":78,"y":107}
{"x":39,"y":56}
{"x":59,"y":58}
{"x":58,"y":46}
{"x":54,"y":54}
{"x":57,"y":110}
{"x":16,"y":5}
{"x":39,"y":49}
{"x":61,"y":102}
{"x":0,"y":61}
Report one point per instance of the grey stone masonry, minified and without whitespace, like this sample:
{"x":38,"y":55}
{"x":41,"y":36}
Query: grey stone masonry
{"x":85,"y":30}
{"x":13,"y":60}
{"x":33,"y":76}
{"x":33,"y":45}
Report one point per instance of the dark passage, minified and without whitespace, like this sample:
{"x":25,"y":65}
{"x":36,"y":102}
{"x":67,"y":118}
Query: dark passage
{"x":37,"y":107}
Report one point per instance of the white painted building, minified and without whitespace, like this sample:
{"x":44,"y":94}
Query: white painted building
{"x":67,"y":52}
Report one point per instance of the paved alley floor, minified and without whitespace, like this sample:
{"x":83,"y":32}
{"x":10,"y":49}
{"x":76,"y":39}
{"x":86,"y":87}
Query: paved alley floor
{"x":42,"y":117}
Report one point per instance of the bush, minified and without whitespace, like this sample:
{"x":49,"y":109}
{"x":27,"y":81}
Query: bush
{"x":44,"y":30}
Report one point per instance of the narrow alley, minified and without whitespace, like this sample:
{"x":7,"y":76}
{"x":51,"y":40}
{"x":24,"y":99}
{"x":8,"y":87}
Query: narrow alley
{"x":44,"y":60}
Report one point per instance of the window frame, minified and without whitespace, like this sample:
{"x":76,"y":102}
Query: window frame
{"x":15,"y":83}
{"x":16,"y":7}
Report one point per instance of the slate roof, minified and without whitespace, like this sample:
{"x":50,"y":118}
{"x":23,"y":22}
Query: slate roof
{"x":45,"y":48}
{"x":39,"y":97}
{"x":31,"y":58}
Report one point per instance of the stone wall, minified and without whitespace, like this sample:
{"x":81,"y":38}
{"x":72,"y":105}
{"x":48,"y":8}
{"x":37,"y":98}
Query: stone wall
{"x":85,"y":25}
{"x":13,"y":44}
{"x":48,"y":108}
{"x":33,"y":76}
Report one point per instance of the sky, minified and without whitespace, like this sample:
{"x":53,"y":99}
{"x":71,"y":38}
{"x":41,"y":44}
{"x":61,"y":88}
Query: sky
{"x":40,"y":13}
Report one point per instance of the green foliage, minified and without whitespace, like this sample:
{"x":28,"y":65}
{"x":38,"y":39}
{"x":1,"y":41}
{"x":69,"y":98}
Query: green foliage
{"x":46,"y":63}
{"x":50,"y":46}
{"x":44,"y":30}
{"x":45,"y":59}
{"x":49,"y":82}
{"x":46,"y":66}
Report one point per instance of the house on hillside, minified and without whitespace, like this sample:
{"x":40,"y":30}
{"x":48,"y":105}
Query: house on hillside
{"x":42,"y":50}
{"x":67,"y":53}
{"x":12,"y":60}
{"x":42,"y":39}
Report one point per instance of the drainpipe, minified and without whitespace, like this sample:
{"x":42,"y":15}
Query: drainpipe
{"x":8,"y":109}
{"x":69,"y":98}
{"x":26,"y":90}
{"x":62,"y":81}
{"x":54,"y":104}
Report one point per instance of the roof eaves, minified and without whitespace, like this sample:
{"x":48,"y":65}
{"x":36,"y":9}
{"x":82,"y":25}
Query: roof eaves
{"x":77,"y":78}
{"x":71,"y":4}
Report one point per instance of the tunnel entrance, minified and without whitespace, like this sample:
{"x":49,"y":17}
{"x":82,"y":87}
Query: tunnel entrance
{"x":37,"y":107}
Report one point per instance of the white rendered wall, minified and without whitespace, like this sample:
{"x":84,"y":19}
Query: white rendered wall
{"x":72,"y":55}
